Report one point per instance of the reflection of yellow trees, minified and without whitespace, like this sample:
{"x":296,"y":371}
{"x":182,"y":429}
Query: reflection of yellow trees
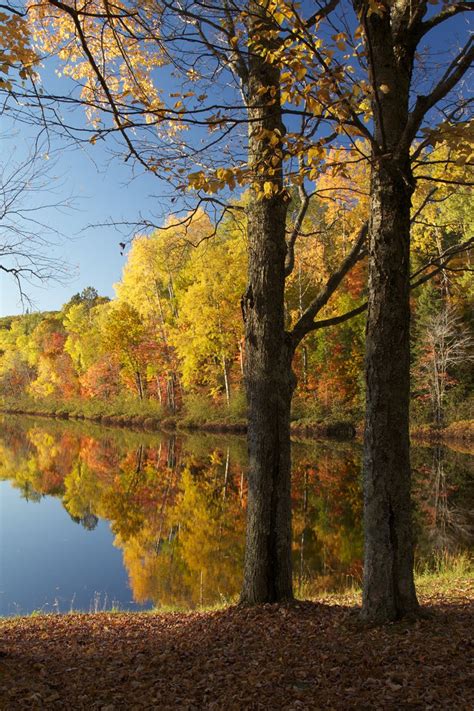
{"x":83,"y":490}
{"x":212,"y":534}
{"x":176,"y":507}
{"x":19,"y":467}
{"x":53,"y":457}
{"x":179,"y":515}
{"x":36,"y":461}
{"x":193,"y":554}
{"x":327,"y":519}
{"x":155,"y":569}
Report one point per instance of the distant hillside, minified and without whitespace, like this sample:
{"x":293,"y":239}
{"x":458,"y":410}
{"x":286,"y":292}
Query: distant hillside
{"x":6,"y":321}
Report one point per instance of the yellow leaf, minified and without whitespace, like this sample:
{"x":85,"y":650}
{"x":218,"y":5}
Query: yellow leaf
{"x":268,"y":188}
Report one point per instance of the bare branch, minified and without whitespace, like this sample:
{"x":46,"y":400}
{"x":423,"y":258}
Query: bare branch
{"x":441,"y":263}
{"x":423,"y":104}
{"x":445,"y":14}
{"x":13,"y":10}
{"x":290,"y":255}
{"x":336,"y":320}
{"x":306,"y":323}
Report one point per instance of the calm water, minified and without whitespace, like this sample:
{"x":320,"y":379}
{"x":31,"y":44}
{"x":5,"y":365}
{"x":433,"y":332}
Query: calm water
{"x":94,"y":518}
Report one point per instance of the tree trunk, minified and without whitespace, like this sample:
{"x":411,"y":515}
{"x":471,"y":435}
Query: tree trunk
{"x":241,"y":357}
{"x":268,"y":570}
{"x":389,"y":590}
{"x":225,"y":371}
{"x":139,"y":382}
{"x":171,"y":376}
{"x":268,"y":351}
{"x":170,"y":392}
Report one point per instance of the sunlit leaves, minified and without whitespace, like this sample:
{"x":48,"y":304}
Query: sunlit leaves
{"x":16,"y":55}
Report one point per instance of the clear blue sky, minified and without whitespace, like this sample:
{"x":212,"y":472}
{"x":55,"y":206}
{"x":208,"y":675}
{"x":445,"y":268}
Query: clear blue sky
{"x":96,"y":195}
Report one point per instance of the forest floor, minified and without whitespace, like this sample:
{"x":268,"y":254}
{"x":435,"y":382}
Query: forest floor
{"x":309,"y":655}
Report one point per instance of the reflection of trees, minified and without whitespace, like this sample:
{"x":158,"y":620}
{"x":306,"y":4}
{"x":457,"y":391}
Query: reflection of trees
{"x":29,"y":493}
{"x":89,"y":521}
{"x":327,"y":513}
{"x":196,"y":553}
{"x":176,"y":506}
{"x":448,"y":519}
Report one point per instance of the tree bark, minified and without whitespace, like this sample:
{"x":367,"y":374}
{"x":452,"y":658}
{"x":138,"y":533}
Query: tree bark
{"x":388,"y":589}
{"x":268,"y":349}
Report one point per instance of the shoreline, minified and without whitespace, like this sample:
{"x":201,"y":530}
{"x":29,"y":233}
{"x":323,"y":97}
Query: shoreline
{"x":335,"y":430}
{"x":457,"y":432}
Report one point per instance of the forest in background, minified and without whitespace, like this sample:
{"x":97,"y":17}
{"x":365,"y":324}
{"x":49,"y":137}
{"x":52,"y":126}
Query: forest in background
{"x":171,"y":343}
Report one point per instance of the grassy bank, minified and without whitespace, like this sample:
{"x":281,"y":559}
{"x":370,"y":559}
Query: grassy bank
{"x":462,"y":430}
{"x":310,"y":655}
{"x":199,"y":413}
{"x":128,"y":412}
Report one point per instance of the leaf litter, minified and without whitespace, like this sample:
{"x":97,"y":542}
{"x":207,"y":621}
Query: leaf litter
{"x":308,"y":655}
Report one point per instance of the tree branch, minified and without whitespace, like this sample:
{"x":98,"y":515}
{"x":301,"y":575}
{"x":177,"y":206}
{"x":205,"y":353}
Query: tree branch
{"x":453,"y":74}
{"x":335,"y":320}
{"x":440,"y":262}
{"x":442,"y":16}
{"x":306,"y":323}
{"x":73,"y":14}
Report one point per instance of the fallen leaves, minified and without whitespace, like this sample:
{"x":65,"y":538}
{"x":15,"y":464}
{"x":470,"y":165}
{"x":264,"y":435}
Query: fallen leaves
{"x":304,"y":656}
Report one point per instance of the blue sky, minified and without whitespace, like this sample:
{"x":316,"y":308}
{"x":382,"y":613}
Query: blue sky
{"x":96,"y":195}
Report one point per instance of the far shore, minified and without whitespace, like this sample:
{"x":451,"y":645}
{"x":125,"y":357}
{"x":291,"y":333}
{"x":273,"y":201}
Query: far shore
{"x":456,"y":432}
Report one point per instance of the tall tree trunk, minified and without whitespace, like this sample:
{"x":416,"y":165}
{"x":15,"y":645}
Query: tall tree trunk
{"x":270,"y":383}
{"x":170,"y":392}
{"x":171,"y":375}
{"x":241,"y":357}
{"x":268,"y":350}
{"x":389,"y":590}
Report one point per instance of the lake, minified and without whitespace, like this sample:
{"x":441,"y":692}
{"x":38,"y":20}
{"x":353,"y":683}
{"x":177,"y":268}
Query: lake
{"x":96,"y":518}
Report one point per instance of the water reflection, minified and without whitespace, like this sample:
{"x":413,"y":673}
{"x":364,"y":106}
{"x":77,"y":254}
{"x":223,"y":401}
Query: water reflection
{"x":444,"y":490}
{"x":176,"y":505}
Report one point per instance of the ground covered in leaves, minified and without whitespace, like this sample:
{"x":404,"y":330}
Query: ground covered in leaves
{"x":311,"y":655}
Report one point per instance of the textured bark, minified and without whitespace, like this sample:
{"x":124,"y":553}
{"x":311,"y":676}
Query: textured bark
{"x":269,"y":380}
{"x":388,"y":590}
{"x":268,"y":356}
